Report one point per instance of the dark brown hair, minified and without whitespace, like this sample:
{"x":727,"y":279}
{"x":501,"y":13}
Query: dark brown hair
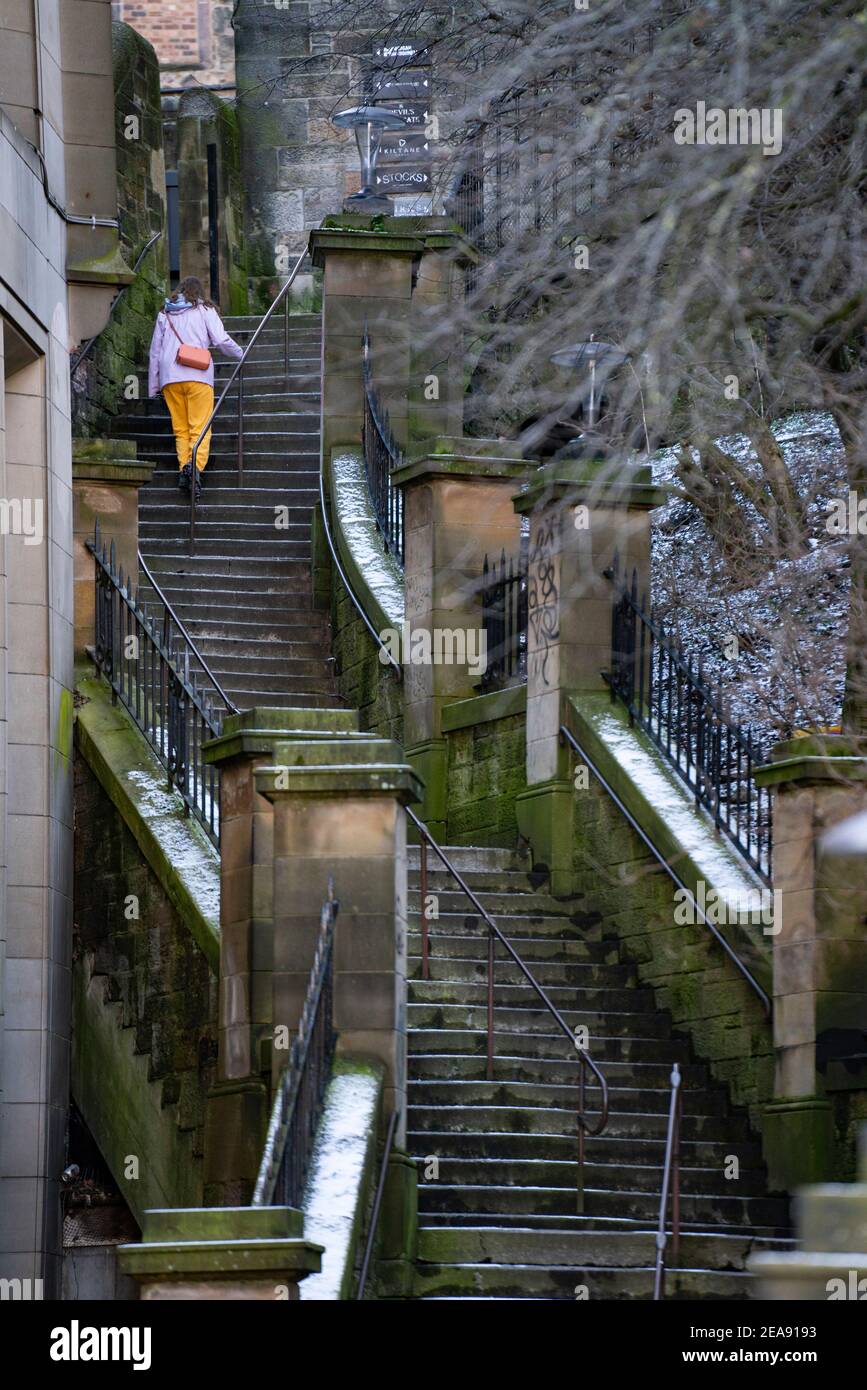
{"x":192,"y":289}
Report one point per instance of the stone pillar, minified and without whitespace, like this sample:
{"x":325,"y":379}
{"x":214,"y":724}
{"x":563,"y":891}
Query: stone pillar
{"x":204,"y":120}
{"x":457,"y":507}
{"x":237,"y":1253}
{"x":819,"y":953}
{"x":397,"y":274}
{"x":338,"y":811}
{"x":831,"y":1264}
{"x":237,"y":1105}
{"x":582,"y":514}
{"x":106,"y":477}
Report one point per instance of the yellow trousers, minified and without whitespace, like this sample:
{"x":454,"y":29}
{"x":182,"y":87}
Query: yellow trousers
{"x":190,"y":403}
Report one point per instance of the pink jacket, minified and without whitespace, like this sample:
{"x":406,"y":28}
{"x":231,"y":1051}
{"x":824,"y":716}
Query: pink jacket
{"x":198,"y":326}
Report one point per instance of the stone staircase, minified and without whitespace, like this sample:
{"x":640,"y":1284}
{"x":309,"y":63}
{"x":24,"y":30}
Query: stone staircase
{"x":245,"y":596}
{"x":500,"y":1218}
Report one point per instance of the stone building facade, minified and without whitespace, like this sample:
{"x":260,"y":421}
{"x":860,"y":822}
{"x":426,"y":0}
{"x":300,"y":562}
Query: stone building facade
{"x":58,"y":274}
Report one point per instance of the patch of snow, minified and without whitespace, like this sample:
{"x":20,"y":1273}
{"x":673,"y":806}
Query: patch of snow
{"x":187,"y":848}
{"x":333,"y":1194}
{"x":357,"y":521}
{"x":718,"y":863}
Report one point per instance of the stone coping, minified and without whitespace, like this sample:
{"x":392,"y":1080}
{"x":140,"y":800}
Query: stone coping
{"x":485,"y":708}
{"x":384,"y":779}
{"x":259,"y":729}
{"x":665,"y":810}
{"x":376,"y":578}
{"x":428,"y":464}
{"x":812,"y":769}
{"x":382,"y":232}
{"x":179,"y":853}
{"x":597,"y":482}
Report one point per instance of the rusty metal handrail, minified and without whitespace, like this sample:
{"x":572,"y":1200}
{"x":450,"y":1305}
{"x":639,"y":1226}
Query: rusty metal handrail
{"x":279,"y":298}
{"x":584,"y":1059}
{"x":670,"y":1181}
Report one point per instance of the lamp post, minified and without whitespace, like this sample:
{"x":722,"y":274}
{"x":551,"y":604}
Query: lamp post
{"x":597,"y":360}
{"x":369,"y":123}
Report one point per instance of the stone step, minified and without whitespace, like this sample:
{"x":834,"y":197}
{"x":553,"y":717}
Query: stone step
{"x":621,"y":1150}
{"x":591,"y":997}
{"x":310,"y":699}
{"x":547,"y":1044}
{"x":635,"y":1249}
{"x":226,"y":549}
{"x":538,"y":1020}
{"x":558,"y":1095}
{"x":469,"y":859}
{"x":264,"y":686}
{"x":638,"y":1124}
{"x":268,"y":662}
{"x":467,"y":970}
{"x":235,"y":635}
{"x":556,"y":1282}
{"x":611,"y":1177}
{"x":508,"y":1067}
{"x":444,"y":946}
{"x":622,"y":1206}
{"x":453,"y":900}
{"x":226,"y":499}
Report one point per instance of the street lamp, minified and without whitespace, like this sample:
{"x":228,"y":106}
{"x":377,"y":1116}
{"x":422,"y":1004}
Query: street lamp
{"x":368,"y":122}
{"x":591,"y":356}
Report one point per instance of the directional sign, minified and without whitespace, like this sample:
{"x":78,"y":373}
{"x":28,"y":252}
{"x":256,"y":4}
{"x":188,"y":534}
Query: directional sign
{"x":402,"y":53}
{"x":405,"y":88}
{"x":415,"y":113}
{"x":396,"y":148}
{"x":411,"y":179}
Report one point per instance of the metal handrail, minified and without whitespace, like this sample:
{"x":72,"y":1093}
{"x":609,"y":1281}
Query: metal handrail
{"x":395,"y":665}
{"x":494,"y":932}
{"x":670,"y":1181}
{"x":76,"y":361}
{"x":377,"y":1203}
{"x":276,"y":1155}
{"x":280,"y":298}
{"x":154,"y":684}
{"x":568,"y":737}
{"x":230,"y":705}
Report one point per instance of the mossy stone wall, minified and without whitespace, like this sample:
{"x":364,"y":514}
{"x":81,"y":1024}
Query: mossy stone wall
{"x":114,"y":373}
{"x":157,"y":973}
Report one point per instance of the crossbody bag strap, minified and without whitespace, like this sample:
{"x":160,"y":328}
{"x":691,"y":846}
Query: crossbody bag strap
{"x":175,"y":331}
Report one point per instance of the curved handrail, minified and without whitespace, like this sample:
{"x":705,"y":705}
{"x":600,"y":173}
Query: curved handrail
{"x":568,"y":737}
{"x":76,"y":361}
{"x":583,"y":1055}
{"x":277,"y":300}
{"x":395,"y":665}
{"x":230,"y":705}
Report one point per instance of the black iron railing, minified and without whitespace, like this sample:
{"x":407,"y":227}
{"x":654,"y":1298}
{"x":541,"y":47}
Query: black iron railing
{"x":504,"y":619}
{"x":669,"y":697}
{"x":589,"y":1074}
{"x":301,"y":1090}
{"x":160,"y":679}
{"x":382,"y":455}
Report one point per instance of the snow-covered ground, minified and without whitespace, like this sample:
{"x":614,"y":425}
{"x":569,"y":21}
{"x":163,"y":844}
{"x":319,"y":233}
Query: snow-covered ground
{"x":791,"y":624}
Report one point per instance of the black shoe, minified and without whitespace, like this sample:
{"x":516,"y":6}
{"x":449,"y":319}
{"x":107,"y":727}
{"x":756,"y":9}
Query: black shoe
{"x":184,"y":478}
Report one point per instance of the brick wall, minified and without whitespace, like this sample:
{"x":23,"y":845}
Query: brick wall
{"x":193,"y":39}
